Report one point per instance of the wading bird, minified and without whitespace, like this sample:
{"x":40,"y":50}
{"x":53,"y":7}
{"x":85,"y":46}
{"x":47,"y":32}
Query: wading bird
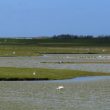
{"x":60,"y":87}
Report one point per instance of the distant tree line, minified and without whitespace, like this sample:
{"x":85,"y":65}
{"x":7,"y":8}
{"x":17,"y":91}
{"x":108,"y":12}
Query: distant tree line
{"x":68,"y":36}
{"x":61,"y":36}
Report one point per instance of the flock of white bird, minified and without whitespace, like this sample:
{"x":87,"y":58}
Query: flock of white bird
{"x":61,"y":86}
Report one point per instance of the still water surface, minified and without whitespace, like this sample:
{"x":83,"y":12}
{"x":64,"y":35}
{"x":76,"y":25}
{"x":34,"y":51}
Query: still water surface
{"x":37,"y":61}
{"x":78,"y":94}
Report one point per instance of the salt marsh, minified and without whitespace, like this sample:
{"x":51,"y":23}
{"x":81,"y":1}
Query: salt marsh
{"x":84,"y":93}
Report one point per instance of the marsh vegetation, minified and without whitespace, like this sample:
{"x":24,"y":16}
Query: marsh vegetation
{"x":56,"y":53}
{"x":61,"y":61}
{"x":38,"y":46}
{"x":8,"y":73}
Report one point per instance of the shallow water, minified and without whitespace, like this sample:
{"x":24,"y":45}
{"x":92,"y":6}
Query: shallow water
{"x":83,"y":79}
{"x":50,"y":59}
{"x":78,"y":94}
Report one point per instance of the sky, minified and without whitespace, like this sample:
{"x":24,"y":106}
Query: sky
{"x":32,"y":18}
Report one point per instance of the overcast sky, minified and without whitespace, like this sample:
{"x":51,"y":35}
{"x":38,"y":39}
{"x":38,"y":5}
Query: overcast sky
{"x":50,"y":17}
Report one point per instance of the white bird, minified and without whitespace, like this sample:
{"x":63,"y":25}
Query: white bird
{"x":34,"y":73}
{"x":14,"y":52}
{"x":103,"y":50}
{"x":60,"y":87}
{"x":99,"y":56}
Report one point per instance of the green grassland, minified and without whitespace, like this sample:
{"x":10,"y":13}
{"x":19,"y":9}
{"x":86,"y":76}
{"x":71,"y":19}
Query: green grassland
{"x":42,"y":73}
{"x":34,"y":50}
{"x":34,"y":47}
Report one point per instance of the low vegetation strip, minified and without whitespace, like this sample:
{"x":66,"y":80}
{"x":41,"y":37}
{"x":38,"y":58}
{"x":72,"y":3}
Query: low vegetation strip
{"x":15,"y":74}
{"x":58,"y":44}
{"x":33,"y":50}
